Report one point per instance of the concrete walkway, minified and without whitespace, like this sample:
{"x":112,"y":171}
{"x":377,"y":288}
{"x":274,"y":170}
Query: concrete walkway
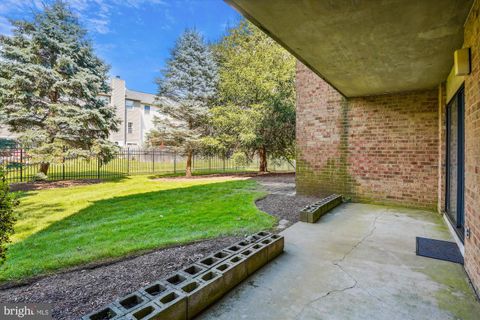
{"x":357,"y":262}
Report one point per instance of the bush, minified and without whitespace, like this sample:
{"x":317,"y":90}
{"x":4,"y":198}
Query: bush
{"x":8,"y":202}
{"x":40,"y":176}
{"x":240,"y":159}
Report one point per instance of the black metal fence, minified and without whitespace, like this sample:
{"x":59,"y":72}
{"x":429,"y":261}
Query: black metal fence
{"x":20,"y":166}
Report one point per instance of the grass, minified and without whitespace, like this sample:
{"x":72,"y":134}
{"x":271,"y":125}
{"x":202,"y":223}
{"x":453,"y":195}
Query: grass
{"x":61,"y":228}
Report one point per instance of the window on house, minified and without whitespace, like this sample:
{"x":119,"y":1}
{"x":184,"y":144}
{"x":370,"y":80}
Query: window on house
{"x":146,"y":109}
{"x":129,"y":104}
{"x":130,"y":127}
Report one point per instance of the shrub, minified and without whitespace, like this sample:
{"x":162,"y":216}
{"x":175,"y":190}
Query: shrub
{"x":40,"y":176}
{"x":8,"y":202}
{"x":240,"y":159}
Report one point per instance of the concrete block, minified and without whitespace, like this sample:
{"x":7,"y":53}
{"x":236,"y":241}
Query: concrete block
{"x":194,"y":270}
{"x":197,"y":299}
{"x":146,"y":312}
{"x":213,"y":259}
{"x":110,"y":312}
{"x":153,"y":290}
{"x":261,"y":235}
{"x":244,"y":243}
{"x":173,"y":306}
{"x":275,"y":244}
{"x":316,"y":210}
{"x":233,"y":270}
{"x":176,"y":279}
{"x":222,"y":255}
{"x":131,"y":302}
{"x":235,"y":249}
{"x":255,"y":257}
{"x":208,"y":262}
{"x":213,"y":285}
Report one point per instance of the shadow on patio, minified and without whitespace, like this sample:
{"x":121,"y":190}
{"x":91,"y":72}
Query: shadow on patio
{"x":358,"y":262}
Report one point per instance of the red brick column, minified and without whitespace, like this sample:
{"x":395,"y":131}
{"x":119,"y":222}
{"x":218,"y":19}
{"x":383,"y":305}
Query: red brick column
{"x":472,"y":148}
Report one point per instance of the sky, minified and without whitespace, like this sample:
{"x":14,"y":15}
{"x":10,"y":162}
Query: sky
{"x":135,"y":36}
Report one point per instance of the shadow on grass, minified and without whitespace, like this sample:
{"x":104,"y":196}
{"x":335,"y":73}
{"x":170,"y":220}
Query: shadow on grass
{"x":23,"y":189}
{"x":118,"y":226}
{"x":201,"y":173}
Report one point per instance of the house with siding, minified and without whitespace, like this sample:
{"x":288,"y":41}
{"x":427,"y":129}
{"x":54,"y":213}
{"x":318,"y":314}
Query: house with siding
{"x":388,"y":103}
{"x":135,"y":109}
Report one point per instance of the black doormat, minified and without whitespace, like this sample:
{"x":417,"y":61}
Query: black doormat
{"x":439,"y":249}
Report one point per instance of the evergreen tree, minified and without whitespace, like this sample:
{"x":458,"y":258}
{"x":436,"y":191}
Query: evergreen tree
{"x":255,"y":112}
{"x":8,"y":202}
{"x":189,"y":81}
{"x":50,"y":79}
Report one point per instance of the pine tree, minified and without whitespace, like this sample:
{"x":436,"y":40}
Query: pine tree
{"x":189,"y":81}
{"x":50,"y":79}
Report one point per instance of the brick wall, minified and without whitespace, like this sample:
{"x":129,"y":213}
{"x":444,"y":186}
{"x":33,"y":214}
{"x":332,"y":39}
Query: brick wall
{"x":472,"y":147}
{"x":381,"y":149}
{"x":320,"y":155}
{"x":393,"y":145}
{"x":442,"y":149}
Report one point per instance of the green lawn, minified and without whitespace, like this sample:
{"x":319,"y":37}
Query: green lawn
{"x":59,"y":228}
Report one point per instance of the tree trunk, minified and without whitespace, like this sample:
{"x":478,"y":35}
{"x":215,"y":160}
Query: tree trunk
{"x":262,"y":154}
{"x":188,"y":169}
{"x":44,"y":167}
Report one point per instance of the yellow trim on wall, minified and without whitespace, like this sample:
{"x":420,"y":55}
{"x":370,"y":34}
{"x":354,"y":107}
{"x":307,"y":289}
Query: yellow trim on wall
{"x":453,"y":84}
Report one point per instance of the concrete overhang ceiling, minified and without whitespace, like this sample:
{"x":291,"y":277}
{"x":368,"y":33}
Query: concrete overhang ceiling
{"x":367,"y":47}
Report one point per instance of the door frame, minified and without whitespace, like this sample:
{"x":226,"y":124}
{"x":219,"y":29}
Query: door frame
{"x":459,"y":225}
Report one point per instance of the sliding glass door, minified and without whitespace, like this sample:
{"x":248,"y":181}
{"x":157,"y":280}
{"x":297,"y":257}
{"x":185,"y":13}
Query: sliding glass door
{"x":455,"y":162}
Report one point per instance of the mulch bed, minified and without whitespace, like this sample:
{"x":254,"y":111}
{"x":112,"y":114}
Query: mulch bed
{"x":42,"y":185}
{"x":282,"y":201}
{"x":75,"y":293}
{"x":285,"y":207}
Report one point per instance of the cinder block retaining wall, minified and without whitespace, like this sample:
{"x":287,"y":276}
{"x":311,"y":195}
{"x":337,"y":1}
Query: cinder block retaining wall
{"x":380,"y":149}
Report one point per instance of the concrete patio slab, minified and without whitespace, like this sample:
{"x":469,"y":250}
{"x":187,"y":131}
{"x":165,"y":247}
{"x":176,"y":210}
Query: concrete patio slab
{"x":357,"y":262}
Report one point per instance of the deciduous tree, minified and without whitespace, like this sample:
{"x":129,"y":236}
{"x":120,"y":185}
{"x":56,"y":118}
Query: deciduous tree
{"x":255,"y":111}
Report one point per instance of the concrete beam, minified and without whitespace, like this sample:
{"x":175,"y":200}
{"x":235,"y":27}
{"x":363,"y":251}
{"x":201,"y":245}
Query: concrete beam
{"x":366,"y":48}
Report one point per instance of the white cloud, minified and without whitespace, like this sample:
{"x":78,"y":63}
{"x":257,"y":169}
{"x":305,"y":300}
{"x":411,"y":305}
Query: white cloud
{"x":98,"y":25}
{"x":95,"y":14}
{"x":5,"y":26}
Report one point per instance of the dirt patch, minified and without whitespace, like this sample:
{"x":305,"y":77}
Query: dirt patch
{"x":205,"y":178}
{"x":282,"y":200}
{"x":234,"y":176}
{"x":76,"y":293}
{"x":42,"y":185}
{"x":285,"y":207}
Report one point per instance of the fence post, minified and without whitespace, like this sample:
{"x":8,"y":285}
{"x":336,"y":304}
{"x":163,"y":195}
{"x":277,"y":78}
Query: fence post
{"x":128,"y":161}
{"x":153,"y":161}
{"x":21,"y":164}
{"x":175,"y":162}
{"x":63,"y":164}
{"x":98,"y":168}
